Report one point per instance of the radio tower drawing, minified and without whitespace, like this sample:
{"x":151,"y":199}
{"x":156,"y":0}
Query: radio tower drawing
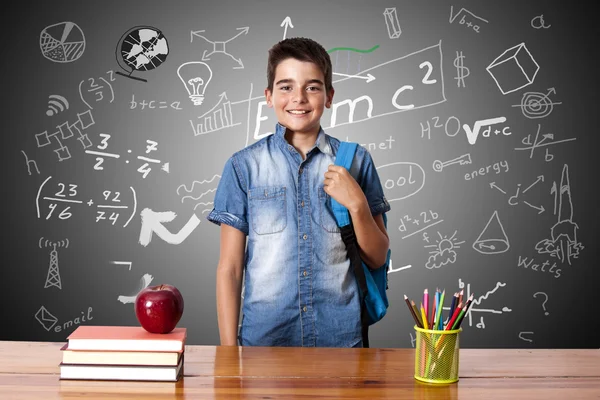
{"x":53,"y":275}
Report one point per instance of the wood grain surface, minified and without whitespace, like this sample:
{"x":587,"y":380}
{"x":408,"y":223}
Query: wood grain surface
{"x":29,"y":370}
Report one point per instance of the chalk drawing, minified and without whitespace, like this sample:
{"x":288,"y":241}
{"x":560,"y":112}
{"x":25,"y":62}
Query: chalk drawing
{"x":539,"y":23}
{"x":195,"y":75}
{"x":541,"y":143}
{"x":63,"y":42}
{"x":563,"y":243}
{"x":514,"y":69}
{"x":220,"y":47}
{"x":391,"y":22}
{"x":466,"y":18}
{"x":53,"y":275}
{"x":479,"y":300}
{"x":286,"y":23}
{"x":536,"y":104}
{"x":493,"y":239}
{"x":443,"y":251}
{"x":152,"y":222}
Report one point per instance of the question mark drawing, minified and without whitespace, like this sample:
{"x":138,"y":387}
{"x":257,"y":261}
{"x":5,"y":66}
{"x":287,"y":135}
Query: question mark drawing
{"x":544,"y":303}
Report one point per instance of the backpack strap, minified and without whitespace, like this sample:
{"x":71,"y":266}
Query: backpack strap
{"x":344,"y":157}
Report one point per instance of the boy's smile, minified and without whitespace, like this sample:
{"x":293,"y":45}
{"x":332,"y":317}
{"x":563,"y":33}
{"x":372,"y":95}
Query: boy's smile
{"x":299,"y":96}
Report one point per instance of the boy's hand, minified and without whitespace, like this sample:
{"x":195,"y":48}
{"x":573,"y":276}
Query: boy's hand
{"x":342,"y":186}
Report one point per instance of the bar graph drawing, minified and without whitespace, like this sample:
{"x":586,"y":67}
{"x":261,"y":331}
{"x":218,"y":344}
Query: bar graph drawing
{"x":217,"y":118}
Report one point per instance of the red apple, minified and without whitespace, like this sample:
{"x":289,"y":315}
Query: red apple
{"x":159,"y":308}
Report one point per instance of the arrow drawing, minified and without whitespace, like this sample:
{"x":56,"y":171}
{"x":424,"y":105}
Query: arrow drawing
{"x":541,"y":209}
{"x":368,"y":78}
{"x":152,"y":222}
{"x":285,"y":23}
{"x":539,"y":178}
{"x":220,"y":47}
{"x":493,"y":185}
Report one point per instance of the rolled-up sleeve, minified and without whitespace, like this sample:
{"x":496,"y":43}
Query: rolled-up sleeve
{"x":231,"y":201}
{"x":371,"y":186}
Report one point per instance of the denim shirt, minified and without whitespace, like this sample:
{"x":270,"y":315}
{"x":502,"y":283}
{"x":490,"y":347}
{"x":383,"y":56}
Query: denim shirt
{"x":299,"y":287}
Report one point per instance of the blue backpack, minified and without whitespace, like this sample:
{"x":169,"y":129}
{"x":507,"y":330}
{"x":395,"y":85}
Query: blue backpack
{"x":373,"y":283}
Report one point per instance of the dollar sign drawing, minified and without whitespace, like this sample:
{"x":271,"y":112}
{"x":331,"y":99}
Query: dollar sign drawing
{"x":461,"y":71}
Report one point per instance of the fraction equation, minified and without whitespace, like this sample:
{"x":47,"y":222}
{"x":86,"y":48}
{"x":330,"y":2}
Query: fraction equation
{"x":146,"y":162}
{"x":64,"y":197}
{"x":416,"y":225}
{"x":547,"y":139}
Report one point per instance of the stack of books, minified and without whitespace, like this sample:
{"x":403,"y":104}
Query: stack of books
{"x":123,"y":353}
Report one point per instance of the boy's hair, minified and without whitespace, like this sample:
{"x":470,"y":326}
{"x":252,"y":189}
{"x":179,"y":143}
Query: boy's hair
{"x":302,"y":49}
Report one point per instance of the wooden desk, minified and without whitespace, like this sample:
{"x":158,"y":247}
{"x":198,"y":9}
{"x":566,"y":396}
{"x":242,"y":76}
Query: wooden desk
{"x":29,"y":370}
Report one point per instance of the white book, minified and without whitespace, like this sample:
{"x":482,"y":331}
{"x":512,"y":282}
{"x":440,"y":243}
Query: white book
{"x":163,"y":358}
{"x":165,"y":373}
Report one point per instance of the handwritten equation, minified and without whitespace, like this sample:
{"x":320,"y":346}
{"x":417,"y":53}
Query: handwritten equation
{"x":95,"y":90}
{"x":419,"y":223}
{"x":546,"y":140}
{"x":144,"y":169}
{"x":65,"y":196}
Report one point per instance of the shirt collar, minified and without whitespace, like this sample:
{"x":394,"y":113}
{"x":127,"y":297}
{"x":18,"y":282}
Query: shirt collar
{"x":322,"y":142}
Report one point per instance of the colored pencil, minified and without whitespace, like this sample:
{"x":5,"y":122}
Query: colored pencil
{"x":460,"y":295}
{"x":417,"y":313}
{"x":454,"y":316}
{"x":426,"y":303}
{"x":452,"y":305}
{"x":423,"y":343}
{"x":412,"y":312}
{"x":433,"y":310}
{"x":424,"y":315}
{"x":461,"y":316}
{"x":440,"y":310}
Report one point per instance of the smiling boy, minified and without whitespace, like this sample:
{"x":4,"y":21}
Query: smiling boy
{"x":299,"y":289}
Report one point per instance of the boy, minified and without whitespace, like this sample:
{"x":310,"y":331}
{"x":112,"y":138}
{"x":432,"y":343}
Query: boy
{"x":299,"y":287}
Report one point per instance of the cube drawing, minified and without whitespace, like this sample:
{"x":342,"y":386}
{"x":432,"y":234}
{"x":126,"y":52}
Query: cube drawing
{"x":514,"y":69}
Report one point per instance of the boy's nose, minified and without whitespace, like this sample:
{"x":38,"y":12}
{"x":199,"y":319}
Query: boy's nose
{"x":299,"y":96}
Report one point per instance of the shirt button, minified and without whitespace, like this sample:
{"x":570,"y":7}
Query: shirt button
{"x":304,"y":308}
{"x":305,"y":237}
{"x":304,"y":273}
{"x":302,"y":203}
{"x":300,"y":170}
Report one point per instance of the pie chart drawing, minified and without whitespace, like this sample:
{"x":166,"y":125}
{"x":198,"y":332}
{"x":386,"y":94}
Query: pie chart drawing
{"x":63,"y":42}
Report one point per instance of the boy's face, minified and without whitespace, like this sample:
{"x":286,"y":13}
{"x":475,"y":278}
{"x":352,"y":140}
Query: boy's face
{"x":299,"y":95}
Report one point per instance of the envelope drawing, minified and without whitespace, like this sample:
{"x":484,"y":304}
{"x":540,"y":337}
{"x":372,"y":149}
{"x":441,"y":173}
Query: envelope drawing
{"x":45,"y":318}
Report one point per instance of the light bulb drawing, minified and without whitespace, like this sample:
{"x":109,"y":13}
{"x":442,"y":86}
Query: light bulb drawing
{"x":195,"y":76}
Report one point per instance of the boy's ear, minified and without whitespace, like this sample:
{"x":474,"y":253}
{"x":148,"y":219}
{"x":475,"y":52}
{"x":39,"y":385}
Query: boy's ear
{"x":269,"y":96}
{"x":329,"y":98}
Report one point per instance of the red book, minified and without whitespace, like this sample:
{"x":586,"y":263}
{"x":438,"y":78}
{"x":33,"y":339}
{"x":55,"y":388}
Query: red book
{"x":125,"y":338}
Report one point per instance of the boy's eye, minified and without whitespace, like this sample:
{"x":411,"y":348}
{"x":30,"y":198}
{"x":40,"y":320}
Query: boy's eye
{"x":313,"y":88}
{"x":285,"y":87}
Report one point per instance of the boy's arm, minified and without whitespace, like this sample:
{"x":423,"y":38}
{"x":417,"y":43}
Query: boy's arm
{"x":229,"y":283}
{"x":371,"y":235}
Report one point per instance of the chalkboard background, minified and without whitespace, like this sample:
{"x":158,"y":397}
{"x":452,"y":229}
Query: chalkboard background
{"x":480,"y":119}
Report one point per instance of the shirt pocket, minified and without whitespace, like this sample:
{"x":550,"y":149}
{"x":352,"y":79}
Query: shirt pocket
{"x":327,"y":219}
{"x":268,"y":212}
